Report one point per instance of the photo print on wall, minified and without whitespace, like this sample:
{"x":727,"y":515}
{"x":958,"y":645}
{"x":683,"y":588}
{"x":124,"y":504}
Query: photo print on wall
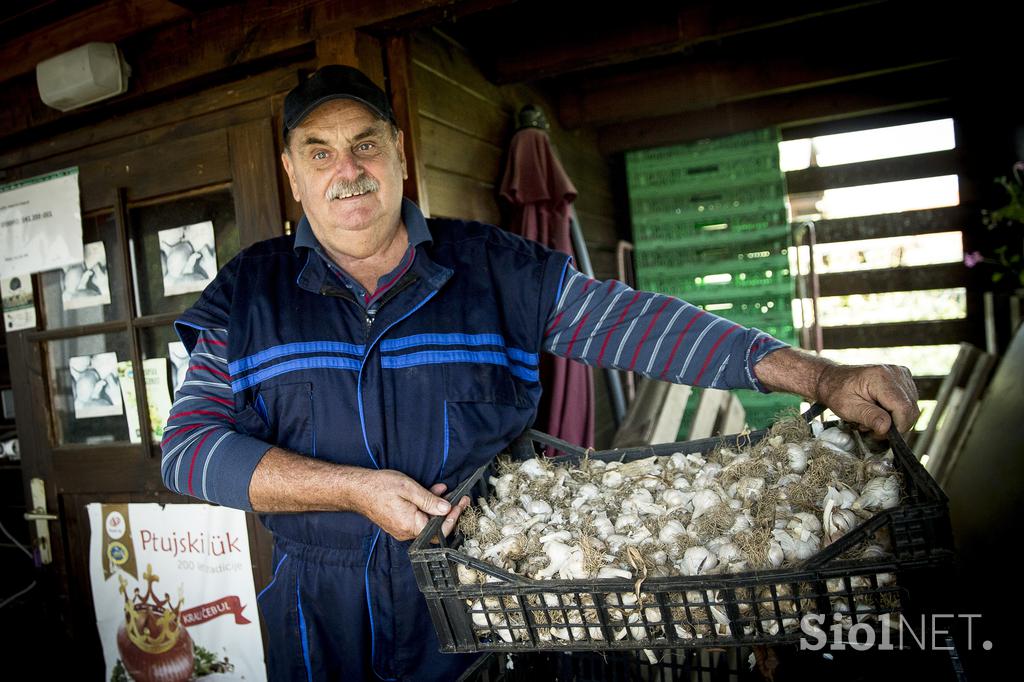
{"x":188,"y":258}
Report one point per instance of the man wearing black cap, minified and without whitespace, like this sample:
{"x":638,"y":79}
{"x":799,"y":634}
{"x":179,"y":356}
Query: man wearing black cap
{"x":342,"y":380}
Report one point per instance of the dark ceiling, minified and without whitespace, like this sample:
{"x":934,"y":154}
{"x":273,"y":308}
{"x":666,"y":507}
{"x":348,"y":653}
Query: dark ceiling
{"x":629,"y":70}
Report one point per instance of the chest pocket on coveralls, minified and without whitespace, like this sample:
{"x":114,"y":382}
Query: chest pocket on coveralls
{"x":282,"y":415}
{"x":485,"y":410}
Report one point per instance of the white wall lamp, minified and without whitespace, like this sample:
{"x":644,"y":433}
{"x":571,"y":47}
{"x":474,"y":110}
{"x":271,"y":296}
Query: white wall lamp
{"x":82,"y":76}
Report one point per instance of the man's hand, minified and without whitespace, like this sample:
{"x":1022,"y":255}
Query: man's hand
{"x":858,"y":393}
{"x":402,"y":507}
{"x":286,"y":482}
{"x":862,"y":394}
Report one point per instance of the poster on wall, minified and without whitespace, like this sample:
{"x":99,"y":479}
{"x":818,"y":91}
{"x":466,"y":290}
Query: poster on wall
{"x":159,"y":401}
{"x":40,"y":224}
{"x":85,"y":284}
{"x":188,"y":258}
{"x":19,"y":303}
{"x":94,"y":383}
{"x":173,"y":591}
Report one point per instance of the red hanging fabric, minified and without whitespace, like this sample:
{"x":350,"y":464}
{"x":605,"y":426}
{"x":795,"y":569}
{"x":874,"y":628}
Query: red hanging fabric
{"x":540,"y":193}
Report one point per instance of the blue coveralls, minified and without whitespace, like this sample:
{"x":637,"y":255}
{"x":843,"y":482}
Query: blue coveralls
{"x":435,"y":383}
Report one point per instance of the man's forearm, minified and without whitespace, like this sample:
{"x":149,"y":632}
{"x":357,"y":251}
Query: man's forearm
{"x":286,"y":482}
{"x":792,"y":371}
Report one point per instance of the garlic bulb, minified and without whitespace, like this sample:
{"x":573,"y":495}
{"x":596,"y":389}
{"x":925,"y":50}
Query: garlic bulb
{"x":729,"y":553}
{"x":613,"y":572}
{"x":502,"y":486}
{"x":776,"y":555}
{"x":616,"y":542}
{"x":794,"y":548}
{"x":639,"y":536}
{"x":879,"y":465}
{"x":466,"y":575}
{"x":556,"y":536}
{"x":702,"y":501}
{"x":879,"y":493}
{"x":837,"y":522}
{"x":678,"y":461}
{"x":749,"y":489}
{"x":603,"y":527}
{"x":586,"y":492}
{"x":803,"y":524}
{"x":511,"y":543}
{"x":671,"y":532}
{"x":564,"y":560}
{"x":626,"y":521}
{"x":797,"y":458}
{"x":674,"y":498}
{"x":534,"y":469}
{"x":840,"y":439}
{"x":697,"y":561}
{"x":841,"y":495}
{"x":538,"y":507}
{"x":611,"y":479}
{"x":681,"y":483}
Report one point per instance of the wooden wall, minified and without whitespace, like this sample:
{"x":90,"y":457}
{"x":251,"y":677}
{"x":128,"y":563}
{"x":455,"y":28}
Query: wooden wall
{"x":465,"y":125}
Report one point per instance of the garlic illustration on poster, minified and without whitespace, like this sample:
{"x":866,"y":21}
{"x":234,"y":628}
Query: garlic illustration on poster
{"x":188,"y":258}
{"x":85,"y":284}
{"x":173,"y":592}
{"x":95,"y":385}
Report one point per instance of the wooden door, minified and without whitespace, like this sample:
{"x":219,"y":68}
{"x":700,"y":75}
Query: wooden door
{"x":133,"y":203}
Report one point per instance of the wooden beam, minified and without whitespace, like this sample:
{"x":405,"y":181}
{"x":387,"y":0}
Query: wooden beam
{"x":254,"y":180}
{"x":909,"y":223}
{"x":109,"y":22}
{"x":943,"y":276}
{"x":167,"y":121}
{"x":403,"y":100}
{"x":871,"y":172}
{"x":450,"y":12}
{"x":767,"y":63}
{"x":869,"y":121}
{"x":220,"y":44}
{"x":907,"y":89}
{"x":890,"y":334}
{"x":607,"y":37}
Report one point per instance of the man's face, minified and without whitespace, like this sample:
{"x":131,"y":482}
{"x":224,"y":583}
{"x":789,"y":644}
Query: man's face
{"x":346,"y":168}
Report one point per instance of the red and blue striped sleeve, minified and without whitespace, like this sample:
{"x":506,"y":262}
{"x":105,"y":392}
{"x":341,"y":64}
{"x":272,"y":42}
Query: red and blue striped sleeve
{"x":204,"y":455}
{"x":609,"y":324}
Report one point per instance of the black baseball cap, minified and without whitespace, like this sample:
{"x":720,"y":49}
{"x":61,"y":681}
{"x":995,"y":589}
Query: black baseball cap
{"x":334,"y":82}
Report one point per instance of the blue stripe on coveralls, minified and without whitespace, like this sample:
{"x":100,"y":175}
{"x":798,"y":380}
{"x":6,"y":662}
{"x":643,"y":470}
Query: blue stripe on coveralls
{"x":274,"y":579}
{"x":274,"y":352}
{"x":331,"y":362}
{"x":305,"y":635}
{"x":454,"y":339}
{"x":446,"y":356}
{"x":359,"y":380}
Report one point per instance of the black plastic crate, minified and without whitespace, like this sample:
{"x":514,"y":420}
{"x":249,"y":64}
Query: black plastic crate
{"x":779,"y":664}
{"x":514,"y":613}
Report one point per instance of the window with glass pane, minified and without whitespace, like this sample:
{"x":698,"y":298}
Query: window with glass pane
{"x":92,"y":394}
{"x":92,"y":291}
{"x":178,"y":246}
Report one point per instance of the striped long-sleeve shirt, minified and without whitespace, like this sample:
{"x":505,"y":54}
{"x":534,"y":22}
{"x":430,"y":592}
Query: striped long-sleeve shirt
{"x":603,"y":324}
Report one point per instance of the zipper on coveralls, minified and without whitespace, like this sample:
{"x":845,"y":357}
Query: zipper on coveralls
{"x":372,"y":311}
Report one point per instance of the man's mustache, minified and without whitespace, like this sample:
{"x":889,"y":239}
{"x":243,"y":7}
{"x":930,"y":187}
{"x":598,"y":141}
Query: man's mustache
{"x":343,"y":188}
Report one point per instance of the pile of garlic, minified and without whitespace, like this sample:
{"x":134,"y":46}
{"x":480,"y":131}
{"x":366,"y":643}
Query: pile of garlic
{"x":762,"y":506}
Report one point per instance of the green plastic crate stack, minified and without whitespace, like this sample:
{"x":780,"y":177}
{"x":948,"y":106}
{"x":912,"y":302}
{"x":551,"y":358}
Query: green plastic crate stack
{"x":710,"y":226}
